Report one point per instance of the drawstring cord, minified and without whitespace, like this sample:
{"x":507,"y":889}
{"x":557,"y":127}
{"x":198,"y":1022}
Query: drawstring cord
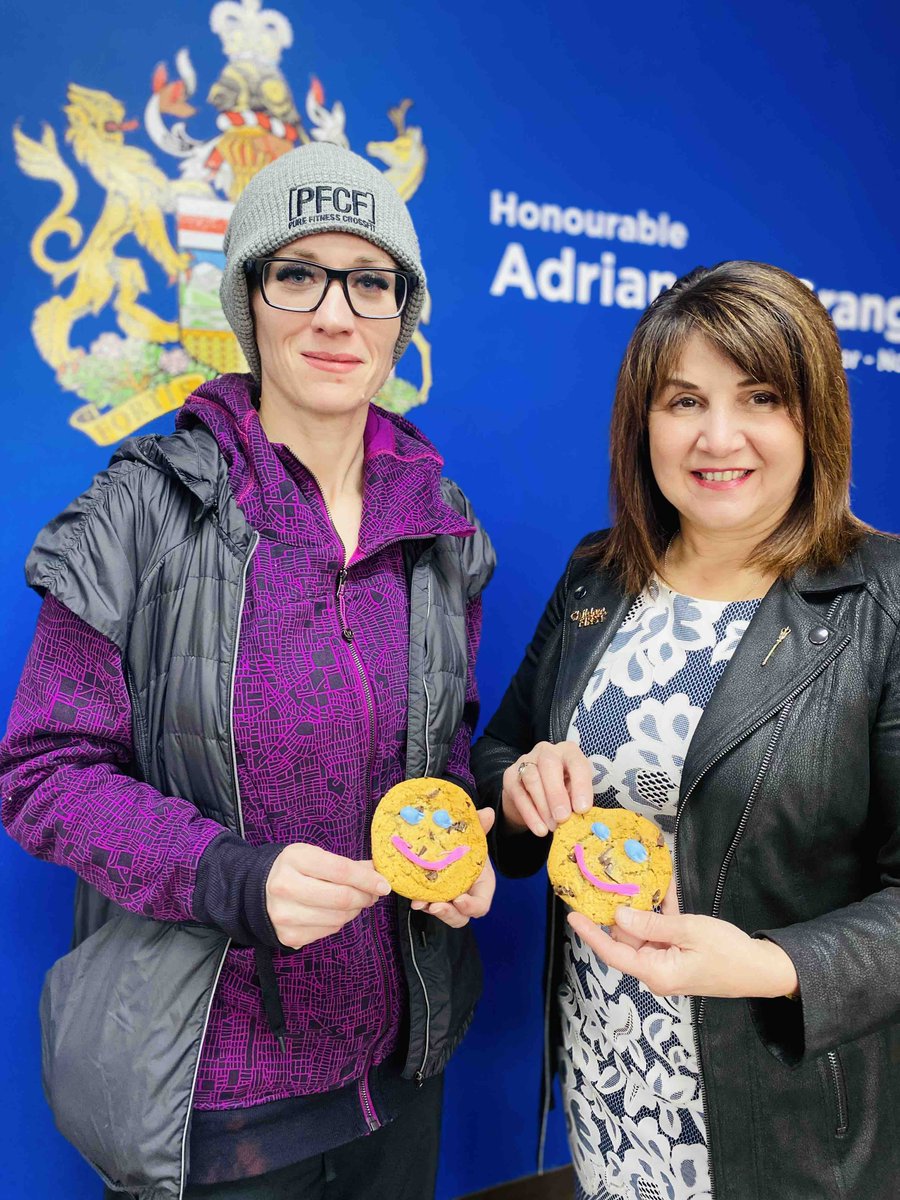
{"x":268,"y":982}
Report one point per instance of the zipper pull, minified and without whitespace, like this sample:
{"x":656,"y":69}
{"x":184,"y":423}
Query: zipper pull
{"x":346,"y":634}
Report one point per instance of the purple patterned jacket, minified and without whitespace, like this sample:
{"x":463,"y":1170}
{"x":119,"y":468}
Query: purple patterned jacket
{"x":319,"y":725}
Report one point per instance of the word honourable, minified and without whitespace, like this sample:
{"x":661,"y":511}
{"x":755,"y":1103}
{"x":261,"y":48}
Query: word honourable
{"x":661,"y":230}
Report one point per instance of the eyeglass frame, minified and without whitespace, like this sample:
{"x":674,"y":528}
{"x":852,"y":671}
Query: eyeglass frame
{"x":256,"y":266}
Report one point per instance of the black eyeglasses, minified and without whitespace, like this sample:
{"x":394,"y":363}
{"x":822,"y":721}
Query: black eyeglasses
{"x":296,"y":285}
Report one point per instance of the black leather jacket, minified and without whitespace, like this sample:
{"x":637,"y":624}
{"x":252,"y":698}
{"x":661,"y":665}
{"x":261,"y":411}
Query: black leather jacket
{"x":788,"y":825}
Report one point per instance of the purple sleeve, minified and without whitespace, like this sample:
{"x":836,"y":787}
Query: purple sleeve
{"x":66,"y":766}
{"x":461,"y":746}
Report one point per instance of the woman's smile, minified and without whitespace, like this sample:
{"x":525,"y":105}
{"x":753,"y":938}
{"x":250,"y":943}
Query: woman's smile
{"x":720,"y":481}
{"x":336,"y":364}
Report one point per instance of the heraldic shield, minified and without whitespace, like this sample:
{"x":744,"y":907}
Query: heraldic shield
{"x":144,"y":363}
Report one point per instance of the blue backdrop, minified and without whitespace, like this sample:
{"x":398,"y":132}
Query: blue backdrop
{"x":563,"y":162}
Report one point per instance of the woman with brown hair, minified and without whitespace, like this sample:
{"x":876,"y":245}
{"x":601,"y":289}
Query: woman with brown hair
{"x":722,"y":661}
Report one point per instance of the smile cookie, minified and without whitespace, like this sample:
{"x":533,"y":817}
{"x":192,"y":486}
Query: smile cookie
{"x":427,"y":840}
{"x":607,"y":857}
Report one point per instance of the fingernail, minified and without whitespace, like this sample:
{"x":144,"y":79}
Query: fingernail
{"x":560,"y":814}
{"x":383,"y":887}
{"x":582,"y":804}
{"x":624,"y":916}
{"x":541,"y":830}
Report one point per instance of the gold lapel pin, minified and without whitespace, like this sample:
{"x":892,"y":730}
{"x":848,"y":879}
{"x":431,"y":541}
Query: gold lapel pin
{"x":784,"y":633}
{"x":588,"y":616}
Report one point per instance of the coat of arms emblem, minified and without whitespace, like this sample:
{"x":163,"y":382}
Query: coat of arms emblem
{"x":153,"y":360}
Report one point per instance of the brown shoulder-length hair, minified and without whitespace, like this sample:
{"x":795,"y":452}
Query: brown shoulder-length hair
{"x":776,"y":331}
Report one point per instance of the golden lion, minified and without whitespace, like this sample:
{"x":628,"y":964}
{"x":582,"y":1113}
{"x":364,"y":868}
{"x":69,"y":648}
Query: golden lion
{"x":137,"y":194}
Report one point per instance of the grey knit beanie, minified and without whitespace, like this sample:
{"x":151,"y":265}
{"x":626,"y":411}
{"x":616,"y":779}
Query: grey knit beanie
{"x":317,"y":188}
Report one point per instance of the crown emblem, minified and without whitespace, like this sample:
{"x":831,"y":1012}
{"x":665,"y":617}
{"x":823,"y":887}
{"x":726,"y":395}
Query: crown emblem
{"x":249,"y":31}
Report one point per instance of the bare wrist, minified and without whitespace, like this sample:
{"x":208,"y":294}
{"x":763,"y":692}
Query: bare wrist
{"x":780,"y":974}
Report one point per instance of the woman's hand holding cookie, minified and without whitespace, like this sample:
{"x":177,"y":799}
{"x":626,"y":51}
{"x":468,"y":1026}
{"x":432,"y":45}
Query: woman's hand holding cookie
{"x":477,"y":900}
{"x":311,"y":893}
{"x":545,"y":786}
{"x":690,"y":955}
{"x":668,"y":908}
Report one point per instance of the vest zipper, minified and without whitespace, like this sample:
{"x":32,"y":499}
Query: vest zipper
{"x":785,"y":706}
{"x":254,"y":542}
{"x":425,"y":689}
{"x":420,"y":1074}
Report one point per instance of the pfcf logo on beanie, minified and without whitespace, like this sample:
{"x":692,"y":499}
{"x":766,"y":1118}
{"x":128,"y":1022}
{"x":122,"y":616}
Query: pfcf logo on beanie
{"x":310,"y":206}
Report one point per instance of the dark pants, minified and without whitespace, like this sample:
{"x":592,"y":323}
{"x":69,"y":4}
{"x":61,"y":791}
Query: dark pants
{"x":397,"y":1161}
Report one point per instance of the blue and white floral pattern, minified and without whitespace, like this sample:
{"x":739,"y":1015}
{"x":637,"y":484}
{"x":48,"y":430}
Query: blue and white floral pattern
{"x":628,"y":1068}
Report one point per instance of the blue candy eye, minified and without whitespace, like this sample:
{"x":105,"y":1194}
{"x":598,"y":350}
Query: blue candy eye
{"x":443,"y":818}
{"x":636,"y":851}
{"x":601,"y":830}
{"x":412,"y":816}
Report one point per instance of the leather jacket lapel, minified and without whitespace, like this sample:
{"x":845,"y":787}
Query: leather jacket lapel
{"x":586,"y":634}
{"x":766,"y":669}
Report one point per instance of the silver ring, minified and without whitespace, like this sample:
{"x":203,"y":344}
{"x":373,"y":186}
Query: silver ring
{"x":522,"y":765}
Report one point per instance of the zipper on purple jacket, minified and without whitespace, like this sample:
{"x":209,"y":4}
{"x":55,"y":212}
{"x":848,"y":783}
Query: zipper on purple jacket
{"x":347,"y":635}
{"x":368,"y":1106}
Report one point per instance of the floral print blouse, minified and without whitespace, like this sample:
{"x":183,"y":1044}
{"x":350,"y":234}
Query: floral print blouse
{"x":628,"y":1065}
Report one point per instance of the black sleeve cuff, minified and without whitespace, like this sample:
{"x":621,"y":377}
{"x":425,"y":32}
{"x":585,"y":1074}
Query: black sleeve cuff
{"x":779,"y":1022}
{"x":230,"y":891}
{"x":466,"y":786}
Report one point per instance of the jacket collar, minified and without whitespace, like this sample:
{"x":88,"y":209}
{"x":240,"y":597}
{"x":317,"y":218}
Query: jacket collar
{"x":750,"y":690}
{"x":280,"y":498}
{"x":847,"y":574}
{"x":768,"y":667}
{"x":595,"y":608}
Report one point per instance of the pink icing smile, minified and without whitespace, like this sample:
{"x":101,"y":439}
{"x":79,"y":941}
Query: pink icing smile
{"x":623,"y":889}
{"x":446,"y":861}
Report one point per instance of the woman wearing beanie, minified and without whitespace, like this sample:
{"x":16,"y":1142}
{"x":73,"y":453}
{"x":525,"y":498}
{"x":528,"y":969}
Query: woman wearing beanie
{"x":251,"y":629}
